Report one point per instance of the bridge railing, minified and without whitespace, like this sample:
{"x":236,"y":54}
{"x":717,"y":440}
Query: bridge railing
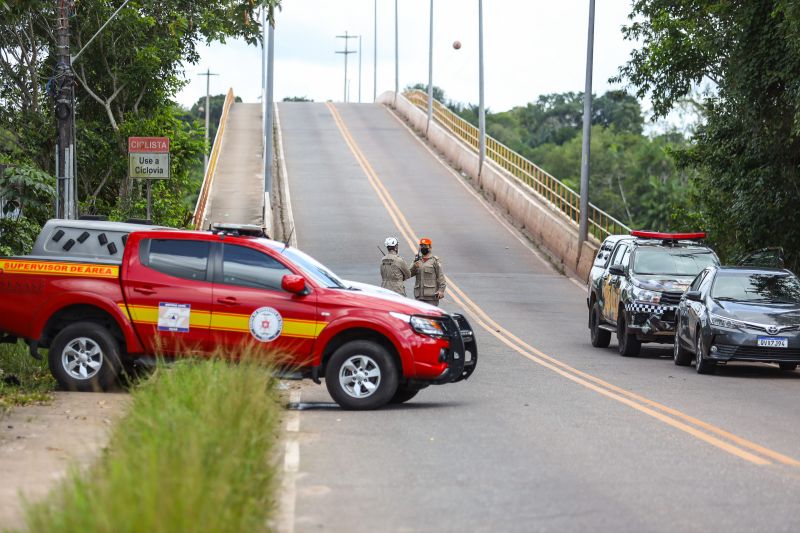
{"x":548,"y":187}
{"x":208,"y":179}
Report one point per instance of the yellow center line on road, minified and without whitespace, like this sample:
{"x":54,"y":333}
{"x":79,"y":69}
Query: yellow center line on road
{"x":720,"y":438}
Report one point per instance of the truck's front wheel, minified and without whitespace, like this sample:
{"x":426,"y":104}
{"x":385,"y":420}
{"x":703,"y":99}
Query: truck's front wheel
{"x":361,"y":375}
{"x":85,"y":357}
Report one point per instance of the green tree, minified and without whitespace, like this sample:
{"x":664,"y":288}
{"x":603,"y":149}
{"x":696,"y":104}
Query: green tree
{"x":747,"y":153}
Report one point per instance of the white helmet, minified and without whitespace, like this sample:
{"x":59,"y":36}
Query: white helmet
{"x":390,"y":242}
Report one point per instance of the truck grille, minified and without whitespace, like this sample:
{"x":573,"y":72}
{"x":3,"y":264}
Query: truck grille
{"x":671,"y":298}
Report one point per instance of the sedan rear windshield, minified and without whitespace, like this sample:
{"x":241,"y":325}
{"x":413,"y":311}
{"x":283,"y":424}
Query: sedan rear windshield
{"x":673,"y":261}
{"x":756,"y":287}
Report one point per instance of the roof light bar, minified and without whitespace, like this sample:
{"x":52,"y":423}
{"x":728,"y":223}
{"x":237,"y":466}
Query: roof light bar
{"x":668,"y":236}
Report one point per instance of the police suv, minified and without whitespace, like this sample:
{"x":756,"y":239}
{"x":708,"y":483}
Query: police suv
{"x":636,"y":291}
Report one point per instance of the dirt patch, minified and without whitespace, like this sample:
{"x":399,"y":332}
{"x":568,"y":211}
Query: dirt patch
{"x":38,"y":443}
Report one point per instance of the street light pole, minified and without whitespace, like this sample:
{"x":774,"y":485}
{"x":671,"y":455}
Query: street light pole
{"x":270,"y":112}
{"x":430,"y":72}
{"x":346,"y":52}
{"x":208,"y":75}
{"x":375,"y":55}
{"x":396,"y":54}
{"x":359,"y":69}
{"x":583,"y":226}
{"x":481,"y":108}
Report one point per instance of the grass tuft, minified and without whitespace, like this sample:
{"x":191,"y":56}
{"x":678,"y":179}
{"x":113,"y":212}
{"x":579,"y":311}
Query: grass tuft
{"x":23,"y":379}
{"x":194,"y":453}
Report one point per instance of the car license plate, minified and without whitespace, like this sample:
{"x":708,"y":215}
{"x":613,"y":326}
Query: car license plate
{"x":773,"y":342}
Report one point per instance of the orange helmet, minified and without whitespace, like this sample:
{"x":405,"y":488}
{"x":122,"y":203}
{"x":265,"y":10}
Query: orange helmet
{"x":426,"y":241}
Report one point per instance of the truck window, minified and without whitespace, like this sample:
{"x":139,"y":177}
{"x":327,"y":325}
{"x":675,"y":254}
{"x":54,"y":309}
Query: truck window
{"x":618,"y":253}
{"x":247,"y":267}
{"x":179,"y":258}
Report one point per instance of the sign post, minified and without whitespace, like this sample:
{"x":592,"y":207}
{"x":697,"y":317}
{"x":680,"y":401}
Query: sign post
{"x":148,"y":159}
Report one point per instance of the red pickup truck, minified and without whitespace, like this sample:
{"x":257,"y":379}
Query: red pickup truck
{"x":100,"y":294}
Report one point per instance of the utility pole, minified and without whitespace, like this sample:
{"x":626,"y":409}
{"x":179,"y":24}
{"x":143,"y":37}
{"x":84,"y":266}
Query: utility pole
{"x":359,"y":69}
{"x":346,"y":52}
{"x":64,"y":110}
{"x":208,"y":75}
{"x":583,"y":226}
{"x":430,"y":72}
{"x":375,"y":55}
{"x":270,"y":110}
{"x":481,"y":108}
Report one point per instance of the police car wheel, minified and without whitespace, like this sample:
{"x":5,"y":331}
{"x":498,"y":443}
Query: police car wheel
{"x":361,"y":375}
{"x":629,"y":345}
{"x":680,"y":355}
{"x":702,"y":364}
{"x":601,"y":338}
{"x":85,"y":357}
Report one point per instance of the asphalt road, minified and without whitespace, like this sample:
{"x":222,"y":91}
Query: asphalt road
{"x":549,"y":434}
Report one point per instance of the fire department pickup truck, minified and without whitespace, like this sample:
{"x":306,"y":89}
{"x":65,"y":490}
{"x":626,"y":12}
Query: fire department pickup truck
{"x":101,"y":294}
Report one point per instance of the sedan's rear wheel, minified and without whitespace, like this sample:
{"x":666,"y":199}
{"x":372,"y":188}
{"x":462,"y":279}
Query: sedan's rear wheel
{"x":702,"y":364}
{"x":680,"y":355}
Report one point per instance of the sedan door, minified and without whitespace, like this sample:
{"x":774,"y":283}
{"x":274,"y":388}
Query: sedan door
{"x":250,"y":306}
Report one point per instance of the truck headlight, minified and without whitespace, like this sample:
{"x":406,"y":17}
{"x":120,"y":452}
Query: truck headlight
{"x":643,"y":295}
{"x":726,"y":323}
{"x":427,"y":326}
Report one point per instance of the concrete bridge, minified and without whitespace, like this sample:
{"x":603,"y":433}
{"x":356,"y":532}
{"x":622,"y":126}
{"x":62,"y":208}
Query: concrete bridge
{"x":550,"y":433}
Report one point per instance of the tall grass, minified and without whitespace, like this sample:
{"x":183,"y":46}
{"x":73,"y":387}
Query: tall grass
{"x":194,"y":453}
{"x":23,"y":379}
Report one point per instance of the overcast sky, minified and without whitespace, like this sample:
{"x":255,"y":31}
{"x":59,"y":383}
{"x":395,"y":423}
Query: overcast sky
{"x":531,"y":47}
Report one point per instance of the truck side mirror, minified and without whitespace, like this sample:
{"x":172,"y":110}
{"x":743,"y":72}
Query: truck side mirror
{"x":294,"y":284}
{"x":616,"y":270}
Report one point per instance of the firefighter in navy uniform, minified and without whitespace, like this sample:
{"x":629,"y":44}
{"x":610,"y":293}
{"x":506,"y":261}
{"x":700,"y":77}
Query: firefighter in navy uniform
{"x":430,"y":283}
{"x":394,"y":270}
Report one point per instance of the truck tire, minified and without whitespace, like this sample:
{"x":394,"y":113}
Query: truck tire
{"x":361,"y":375}
{"x":85,"y":357}
{"x":629,"y":345}
{"x":600,"y":338}
{"x":680,"y":355}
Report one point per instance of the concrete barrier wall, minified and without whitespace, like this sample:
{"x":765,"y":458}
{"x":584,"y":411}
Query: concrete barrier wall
{"x":553,"y":231}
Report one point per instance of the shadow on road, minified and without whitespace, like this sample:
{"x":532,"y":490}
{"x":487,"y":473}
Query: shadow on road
{"x":410,"y":406}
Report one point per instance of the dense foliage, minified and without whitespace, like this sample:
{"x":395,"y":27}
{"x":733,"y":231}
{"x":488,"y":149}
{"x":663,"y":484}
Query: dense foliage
{"x":125,"y":84}
{"x":747,"y":151}
{"x":633,"y":176}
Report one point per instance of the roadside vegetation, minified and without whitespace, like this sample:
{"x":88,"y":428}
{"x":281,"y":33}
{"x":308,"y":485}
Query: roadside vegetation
{"x":194,"y":453}
{"x":23,"y":379}
{"x":126,"y":83}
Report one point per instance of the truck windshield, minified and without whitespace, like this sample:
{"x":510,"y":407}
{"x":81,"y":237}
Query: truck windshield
{"x":673,"y":261}
{"x":756,"y":287}
{"x":311,"y":267}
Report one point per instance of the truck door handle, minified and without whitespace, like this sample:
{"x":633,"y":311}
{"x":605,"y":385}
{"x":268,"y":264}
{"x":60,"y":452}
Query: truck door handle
{"x":144,"y":290}
{"x":229,"y":300}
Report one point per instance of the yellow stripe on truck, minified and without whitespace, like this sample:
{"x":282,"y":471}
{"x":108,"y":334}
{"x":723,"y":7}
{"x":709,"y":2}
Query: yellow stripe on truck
{"x":49,"y":268}
{"x":305,"y":329}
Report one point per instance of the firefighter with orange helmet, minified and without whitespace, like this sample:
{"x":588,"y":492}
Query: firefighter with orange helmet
{"x":430,"y":282}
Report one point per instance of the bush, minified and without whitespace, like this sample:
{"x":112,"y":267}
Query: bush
{"x":193,"y":454}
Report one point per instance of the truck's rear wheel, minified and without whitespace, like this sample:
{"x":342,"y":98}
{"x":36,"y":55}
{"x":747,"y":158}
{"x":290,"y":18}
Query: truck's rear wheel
{"x":85,"y":357}
{"x":601,"y":338}
{"x":361,"y":375}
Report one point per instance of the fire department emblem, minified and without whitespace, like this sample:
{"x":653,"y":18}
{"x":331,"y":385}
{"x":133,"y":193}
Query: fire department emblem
{"x":266,"y":324}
